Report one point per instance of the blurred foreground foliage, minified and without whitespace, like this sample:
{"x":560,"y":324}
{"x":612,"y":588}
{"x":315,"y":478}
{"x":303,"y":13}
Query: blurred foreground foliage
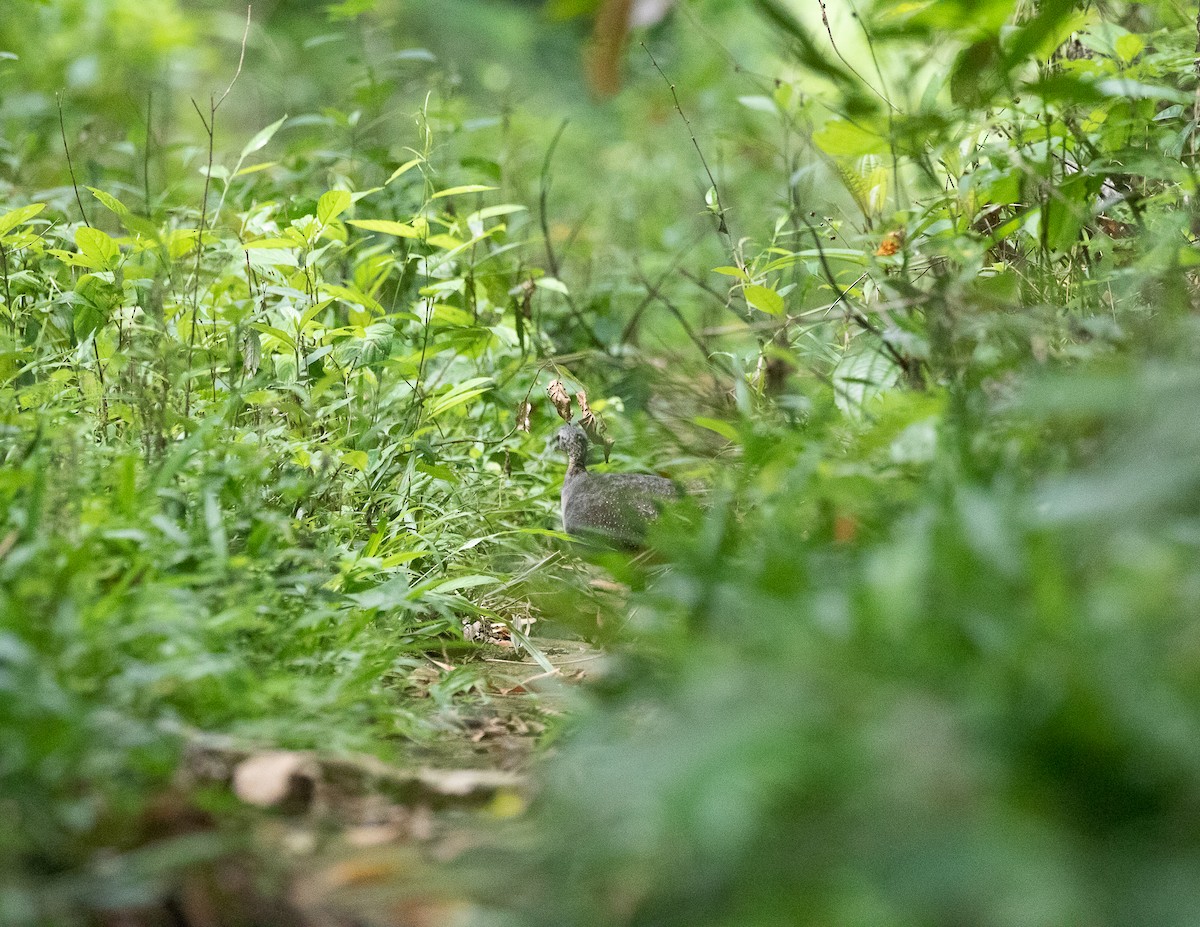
{"x":926,"y":653}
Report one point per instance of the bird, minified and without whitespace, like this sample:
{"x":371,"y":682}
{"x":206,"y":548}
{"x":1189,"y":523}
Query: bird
{"x":607,"y":507}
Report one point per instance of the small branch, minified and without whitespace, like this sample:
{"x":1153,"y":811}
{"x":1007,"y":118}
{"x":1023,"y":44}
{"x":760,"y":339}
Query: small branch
{"x":652,"y":289}
{"x":210,"y":128}
{"x":241,"y":59}
{"x":62,"y":128}
{"x":656,"y":294}
{"x":906,"y":364}
{"x":12,"y":315}
{"x":551,"y":257}
{"x":837,"y":51}
{"x":146,"y":154}
{"x":544,"y":196}
{"x":722,"y":227}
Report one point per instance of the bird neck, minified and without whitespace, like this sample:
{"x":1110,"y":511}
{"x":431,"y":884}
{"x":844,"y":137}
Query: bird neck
{"x":576,"y":464}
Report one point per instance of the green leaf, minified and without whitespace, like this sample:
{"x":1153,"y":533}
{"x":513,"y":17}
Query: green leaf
{"x":491,"y":212}
{"x":458,"y":394}
{"x":97,"y":247}
{"x":468,"y":188}
{"x":386,"y":226}
{"x":136,"y":224}
{"x":254,"y":168}
{"x":457,"y":583}
{"x":764,"y":299}
{"x":261,"y":138}
{"x":724,"y":429}
{"x":841,"y":138}
{"x":552,"y":284}
{"x":22,"y":214}
{"x":403,"y":169}
{"x":1136,"y":90}
{"x":332,"y":204}
{"x":356,"y":460}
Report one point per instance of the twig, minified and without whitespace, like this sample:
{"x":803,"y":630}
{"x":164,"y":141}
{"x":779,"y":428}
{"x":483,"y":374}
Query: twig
{"x":12,"y":315}
{"x":551,"y":257}
{"x":906,"y":364}
{"x":544,"y":195}
{"x":654,"y":293}
{"x":62,"y":128}
{"x":210,"y":127}
{"x":651,"y":291}
{"x":722,"y":227}
{"x":146,"y":153}
{"x":837,"y":51}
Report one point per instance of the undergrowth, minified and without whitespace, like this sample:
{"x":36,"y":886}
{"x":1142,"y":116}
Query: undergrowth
{"x":918,"y":649}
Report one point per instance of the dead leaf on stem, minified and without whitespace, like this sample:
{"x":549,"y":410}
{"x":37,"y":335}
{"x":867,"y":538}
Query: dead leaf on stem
{"x":561,"y":398}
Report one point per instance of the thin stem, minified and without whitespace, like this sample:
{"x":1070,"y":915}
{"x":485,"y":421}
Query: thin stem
{"x":210,"y":128}
{"x":12,"y":316}
{"x":146,"y":154}
{"x":62,"y":128}
{"x":551,"y":257}
{"x":722,"y":227}
{"x":837,"y":51}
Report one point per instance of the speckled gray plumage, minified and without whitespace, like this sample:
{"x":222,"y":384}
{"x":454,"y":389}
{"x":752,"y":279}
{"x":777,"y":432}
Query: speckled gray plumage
{"x":614,"y":506}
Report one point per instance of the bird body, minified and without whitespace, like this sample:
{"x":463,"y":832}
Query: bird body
{"x":607,"y":506}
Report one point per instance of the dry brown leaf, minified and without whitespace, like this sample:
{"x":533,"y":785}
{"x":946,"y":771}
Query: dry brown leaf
{"x":524,"y":411}
{"x":561,"y":398}
{"x":593,"y":425}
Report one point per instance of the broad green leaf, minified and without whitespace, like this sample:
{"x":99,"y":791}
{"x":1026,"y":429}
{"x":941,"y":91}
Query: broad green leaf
{"x":277,"y":333}
{"x":445,"y":242}
{"x":386,"y":227}
{"x":445,"y":314}
{"x":356,"y":460}
{"x":764,"y":299}
{"x":10,"y":220}
{"x":848,"y":140}
{"x":332,"y":204}
{"x":862,"y":375}
{"x":272,"y":257}
{"x":97,"y":247}
{"x":354,"y":296}
{"x":732,"y":272}
{"x":261,"y":138}
{"x":404,"y":556}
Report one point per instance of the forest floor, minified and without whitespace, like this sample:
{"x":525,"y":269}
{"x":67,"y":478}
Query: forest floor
{"x":333,"y":840}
